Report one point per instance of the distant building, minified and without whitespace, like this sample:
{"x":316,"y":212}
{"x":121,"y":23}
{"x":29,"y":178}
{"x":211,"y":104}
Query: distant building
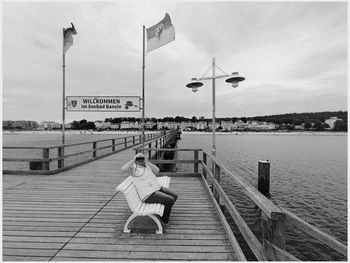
{"x":299,"y":127}
{"x":149,"y":125}
{"x":201,"y":125}
{"x":50,"y":125}
{"x":19,"y":125}
{"x":126,"y":125}
{"x":137,"y":125}
{"x":239,"y":125}
{"x":186,"y":125}
{"x":100,"y":125}
{"x":261,"y":125}
{"x":167,"y":125}
{"x":227,"y":125}
{"x":332,"y":121}
{"x":210,"y":125}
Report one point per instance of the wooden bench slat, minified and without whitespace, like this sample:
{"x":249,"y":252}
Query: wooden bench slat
{"x":137,"y":206}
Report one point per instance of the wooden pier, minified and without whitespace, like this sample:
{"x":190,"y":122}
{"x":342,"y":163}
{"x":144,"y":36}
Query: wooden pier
{"x":76,"y":215}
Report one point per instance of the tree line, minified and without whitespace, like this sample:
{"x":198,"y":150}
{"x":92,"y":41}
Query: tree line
{"x":310,"y":119}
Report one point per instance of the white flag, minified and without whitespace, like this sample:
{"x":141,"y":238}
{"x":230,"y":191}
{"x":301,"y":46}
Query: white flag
{"x":160,"y":34}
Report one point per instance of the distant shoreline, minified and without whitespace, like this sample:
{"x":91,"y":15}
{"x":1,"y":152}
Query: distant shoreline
{"x":271,"y":133}
{"x":85,"y":132}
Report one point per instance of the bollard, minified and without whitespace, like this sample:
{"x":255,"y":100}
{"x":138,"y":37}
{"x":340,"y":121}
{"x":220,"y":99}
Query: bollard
{"x":264,"y":177}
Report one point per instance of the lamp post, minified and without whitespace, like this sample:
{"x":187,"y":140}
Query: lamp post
{"x":195,"y":83}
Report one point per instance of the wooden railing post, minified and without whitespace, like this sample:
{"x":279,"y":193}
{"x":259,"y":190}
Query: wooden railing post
{"x":46,"y":155}
{"x":149,"y":152}
{"x":264,"y":177}
{"x":196,"y":159}
{"x":94,"y":153}
{"x":205,"y":162}
{"x":125,"y":142}
{"x":133,"y":140}
{"x":217,"y":177}
{"x":113,"y":145}
{"x":156,"y":154}
{"x":60,"y":154}
{"x":273,"y":235}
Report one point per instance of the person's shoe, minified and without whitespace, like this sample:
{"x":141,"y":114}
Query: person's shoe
{"x":161,"y":221}
{"x":164,"y":224}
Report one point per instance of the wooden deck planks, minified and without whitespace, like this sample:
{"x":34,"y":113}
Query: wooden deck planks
{"x":77,"y":216}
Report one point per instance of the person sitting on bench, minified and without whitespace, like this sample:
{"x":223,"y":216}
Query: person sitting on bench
{"x":147,"y":186}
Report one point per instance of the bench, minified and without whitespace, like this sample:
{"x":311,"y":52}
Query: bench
{"x":138,"y":207}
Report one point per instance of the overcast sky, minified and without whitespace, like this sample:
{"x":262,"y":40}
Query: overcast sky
{"x":293,"y":55}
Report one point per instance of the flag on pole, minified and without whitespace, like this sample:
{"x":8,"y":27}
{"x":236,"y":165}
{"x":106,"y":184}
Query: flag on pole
{"x":68,"y":37}
{"x":160,"y":34}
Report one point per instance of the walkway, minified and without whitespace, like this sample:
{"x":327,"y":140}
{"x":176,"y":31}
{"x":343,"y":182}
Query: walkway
{"x":77,"y":216}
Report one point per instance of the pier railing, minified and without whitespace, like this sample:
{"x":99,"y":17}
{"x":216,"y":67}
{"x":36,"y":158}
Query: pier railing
{"x":273,"y":218}
{"x":54,"y":159}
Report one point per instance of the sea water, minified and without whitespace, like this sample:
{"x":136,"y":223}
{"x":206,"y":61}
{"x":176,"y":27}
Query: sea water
{"x":308,"y":176}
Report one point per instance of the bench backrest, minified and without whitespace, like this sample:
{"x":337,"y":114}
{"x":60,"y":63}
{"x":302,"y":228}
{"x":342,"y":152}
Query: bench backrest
{"x":128,"y":188}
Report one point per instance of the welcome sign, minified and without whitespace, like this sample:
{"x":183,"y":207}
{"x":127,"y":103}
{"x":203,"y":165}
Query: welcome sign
{"x":103,"y":103}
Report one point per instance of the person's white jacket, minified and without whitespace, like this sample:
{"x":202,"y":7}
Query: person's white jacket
{"x":144,"y":178}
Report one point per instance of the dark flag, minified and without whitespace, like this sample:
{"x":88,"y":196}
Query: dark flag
{"x":68,"y":37}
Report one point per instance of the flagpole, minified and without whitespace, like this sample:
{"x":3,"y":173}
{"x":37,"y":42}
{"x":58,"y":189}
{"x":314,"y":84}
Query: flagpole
{"x":143,"y":90}
{"x":63,"y":96}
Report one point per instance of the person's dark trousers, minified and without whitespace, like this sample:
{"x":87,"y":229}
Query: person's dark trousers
{"x":166,"y":197}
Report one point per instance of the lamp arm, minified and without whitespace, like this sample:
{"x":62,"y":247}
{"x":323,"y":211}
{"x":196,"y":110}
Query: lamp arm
{"x":216,"y":77}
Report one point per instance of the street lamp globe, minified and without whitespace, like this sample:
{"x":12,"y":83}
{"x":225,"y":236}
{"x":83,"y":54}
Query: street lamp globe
{"x":234,"y":79}
{"x":194,"y":84}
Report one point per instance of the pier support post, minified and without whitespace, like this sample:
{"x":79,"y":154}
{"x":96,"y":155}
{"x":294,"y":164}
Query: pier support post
{"x":264,"y":177}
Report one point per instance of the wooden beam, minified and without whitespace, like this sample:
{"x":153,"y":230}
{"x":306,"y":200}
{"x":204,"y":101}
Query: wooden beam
{"x":316,"y":233}
{"x":234,"y":243}
{"x":269,"y":208}
{"x":281,"y":254}
{"x":247,"y":234}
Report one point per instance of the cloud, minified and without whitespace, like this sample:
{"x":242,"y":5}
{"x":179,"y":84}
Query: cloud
{"x":293,"y":55}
